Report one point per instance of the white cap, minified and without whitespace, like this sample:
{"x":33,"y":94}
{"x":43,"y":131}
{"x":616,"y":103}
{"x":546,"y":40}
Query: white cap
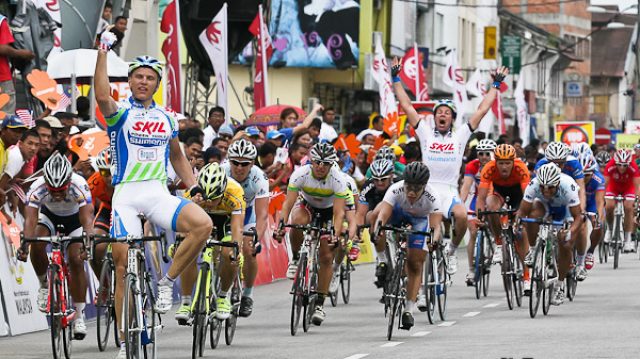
{"x":73,"y":130}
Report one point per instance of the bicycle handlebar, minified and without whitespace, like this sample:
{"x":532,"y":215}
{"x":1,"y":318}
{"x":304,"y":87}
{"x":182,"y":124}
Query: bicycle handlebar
{"x":404,"y":230}
{"x":53,"y":239}
{"x":500,"y":212}
{"x":131,"y":240}
{"x":542,"y":221}
{"x":308,"y":227}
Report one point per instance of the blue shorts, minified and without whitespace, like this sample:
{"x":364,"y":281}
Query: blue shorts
{"x":591,"y":204}
{"x":559,"y":213}
{"x":399,"y":217}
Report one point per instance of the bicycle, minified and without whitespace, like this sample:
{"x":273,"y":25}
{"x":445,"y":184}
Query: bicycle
{"x":482,"y":261}
{"x":343,"y":271}
{"x":305,"y":283}
{"x":544,"y":272}
{"x":139,"y":321}
{"x":60,"y":309}
{"x":105,"y":302}
{"x":436,"y":280}
{"x":617,"y":234}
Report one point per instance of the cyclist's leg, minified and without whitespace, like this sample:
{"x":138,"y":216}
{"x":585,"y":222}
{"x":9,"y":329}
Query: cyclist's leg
{"x":299,"y":215}
{"x":472,"y":224}
{"x":250,"y":264}
{"x":119,"y":253}
{"x":565,"y":254}
{"x":416,"y":256}
{"x":609,"y":205}
{"x":494,"y":203}
{"x":380,"y":245}
{"x":629,"y":203}
{"x":459,"y":215}
{"x":40,"y":261}
{"x":101,"y":225}
{"x":538,"y":210}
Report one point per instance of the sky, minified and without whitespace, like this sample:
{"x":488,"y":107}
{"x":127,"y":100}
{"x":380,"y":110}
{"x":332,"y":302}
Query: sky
{"x":621,"y":3}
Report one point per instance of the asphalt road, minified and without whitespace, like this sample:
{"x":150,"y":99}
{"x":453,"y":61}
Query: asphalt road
{"x":602,"y":322}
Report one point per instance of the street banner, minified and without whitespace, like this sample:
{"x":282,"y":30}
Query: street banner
{"x":476,"y":85}
{"x":632,"y":127}
{"x":522,"y":114}
{"x":170,"y":25}
{"x":214,"y":40}
{"x":575,"y":131}
{"x":453,"y":78}
{"x":627,"y":141}
{"x":413,"y":73}
{"x":265,"y":49}
{"x":380,"y":73}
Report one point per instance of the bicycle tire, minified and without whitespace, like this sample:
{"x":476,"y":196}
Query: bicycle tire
{"x":551,"y":266}
{"x":538,"y":279}
{"x":507,"y":272}
{"x":230,"y":323}
{"x":150,"y":316}
{"x":54,"y":308}
{"x":311,"y":295}
{"x":429,"y":288}
{"x":200,"y":314}
{"x":133,"y":344}
{"x":215,"y":325}
{"x":486,"y":265}
{"x":333,"y":296}
{"x":297,"y":301}
{"x":572,"y":283}
{"x":443,"y":283}
{"x":397,"y":281}
{"x":345,"y":280}
{"x":104,"y":305}
{"x":478,"y":261}
{"x":517,"y":275}
{"x":617,"y":242}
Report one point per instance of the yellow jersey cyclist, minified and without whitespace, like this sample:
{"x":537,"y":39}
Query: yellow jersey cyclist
{"x":319,"y":188}
{"x":255,"y":184}
{"x":223,"y":201}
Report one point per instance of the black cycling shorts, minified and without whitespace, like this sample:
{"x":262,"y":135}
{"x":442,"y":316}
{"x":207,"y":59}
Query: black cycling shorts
{"x":514,"y":194}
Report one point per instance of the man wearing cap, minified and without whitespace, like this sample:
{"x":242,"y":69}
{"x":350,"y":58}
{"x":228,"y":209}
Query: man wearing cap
{"x":12,"y":130}
{"x":215,"y":121}
{"x":276,"y":137}
{"x":226,"y":132}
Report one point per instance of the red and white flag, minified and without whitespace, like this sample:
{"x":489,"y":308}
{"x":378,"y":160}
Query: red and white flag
{"x":454,"y":79}
{"x":65,"y":102}
{"x":214,"y":40}
{"x":522,"y":111}
{"x":26,"y":116}
{"x":388,"y":105}
{"x":413,"y":74}
{"x":170,"y":25}
{"x":260,"y":81}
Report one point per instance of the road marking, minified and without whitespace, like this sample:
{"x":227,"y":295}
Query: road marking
{"x":390,"y":344}
{"x":492,"y":305}
{"x":357,"y":356}
{"x":447,"y":324}
{"x":471,"y":314}
{"x":420,"y":334}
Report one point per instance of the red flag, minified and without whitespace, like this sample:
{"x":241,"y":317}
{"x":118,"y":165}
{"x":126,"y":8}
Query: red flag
{"x":170,"y":25}
{"x":413,"y":74}
{"x":260,"y":81}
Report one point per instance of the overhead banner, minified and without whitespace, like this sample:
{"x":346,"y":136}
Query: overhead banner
{"x":265,"y":51}
{"x":575,"y":131}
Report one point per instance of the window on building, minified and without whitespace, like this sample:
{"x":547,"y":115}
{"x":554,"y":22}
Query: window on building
{"x":438,"y":31}
{"x":581,"y":47}
{"x":601,"y":104}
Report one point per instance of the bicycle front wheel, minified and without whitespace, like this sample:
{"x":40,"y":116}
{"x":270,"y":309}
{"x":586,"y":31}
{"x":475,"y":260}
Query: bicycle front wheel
{"x":297,"y":292}
{"x":200,"y":314}
{"x":55,"y":313}
{"x":507,"y":272}
{"x":479,"y":264}
{"x":486,"y":265}
{"x":345,"y":280}
{"x":131,"y":324}
{"x":151,"y":321}
{"x":442,"y":283}
{"x":429,"y":287}
{"x":104,"y":305}
{"x":538,"y":279}
{"x":215,"y":325}
{"x":517,"y":276}
{"x":395,"y":300}
{"x":617,"y":243}
{"x":230,"y":323}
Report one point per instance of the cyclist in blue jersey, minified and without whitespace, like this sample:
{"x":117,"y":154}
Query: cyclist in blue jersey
{"x":594,"y":189}
{"x":143,"y":139}
{"x":560,"y":154}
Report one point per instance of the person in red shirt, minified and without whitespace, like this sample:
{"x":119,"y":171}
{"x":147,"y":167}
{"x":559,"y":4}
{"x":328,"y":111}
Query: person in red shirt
{"x":8,"y":52}
{"x":621,"y":177}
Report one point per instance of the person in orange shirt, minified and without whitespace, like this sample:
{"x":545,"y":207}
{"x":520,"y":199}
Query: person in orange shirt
{"x":509,"y":177}
{"x":101,"y":191}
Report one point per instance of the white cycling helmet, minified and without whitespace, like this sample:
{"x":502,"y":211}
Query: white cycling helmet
{"x":381,"y":168}
{"x":242,"y":149}
{"x":486,"y":145}
{"x":622,"y":156}
{"x":556,"y":151}
{"x":588,"y":163}
{"x":580,"y":148}
{"x":57,"y":171}
{"x":323,"y":152}
{"x":549,"y":175}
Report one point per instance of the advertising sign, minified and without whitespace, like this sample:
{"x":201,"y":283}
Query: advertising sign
{"x":626,"y":141}
{"x":575,"y":131}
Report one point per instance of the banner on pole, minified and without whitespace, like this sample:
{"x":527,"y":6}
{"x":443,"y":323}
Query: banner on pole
{"x":170,"y":25}
{"x":214,"y":40}
{"x":265,"y":49}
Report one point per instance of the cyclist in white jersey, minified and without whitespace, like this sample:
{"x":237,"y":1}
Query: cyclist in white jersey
{"x":60,"y":197}
{"x":412,"y":201}
{"x":555,"y":195}
{"x":323,"y":191}
{"x":443,"y":147}
{"x":241,"y":167}
{"x":143,"y":139}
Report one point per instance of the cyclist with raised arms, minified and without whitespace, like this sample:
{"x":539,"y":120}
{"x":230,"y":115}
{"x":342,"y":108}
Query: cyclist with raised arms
{"x":60,"y":197}
{"x":318,"y":187}
{"x":484,"y":149}
{"x":373,"y":191}
{"x":443,"y":148}
{"x":504,"y":178}
{"x":594,"y":190}
{"x":143,"y":139}
{"x":622,"y":177}
{"x":554,"y":194}
{"x":412,"y":201}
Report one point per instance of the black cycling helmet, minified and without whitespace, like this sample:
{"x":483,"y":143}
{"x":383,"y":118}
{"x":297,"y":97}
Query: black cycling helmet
{"x":416,"y":173}
{"x":603,"y":157}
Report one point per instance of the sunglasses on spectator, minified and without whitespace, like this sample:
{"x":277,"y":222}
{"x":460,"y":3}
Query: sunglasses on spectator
{"x":484,"y":153}
{"x":58,"y":189}
{"x":323,"y":163}
{"x":240,"y":163}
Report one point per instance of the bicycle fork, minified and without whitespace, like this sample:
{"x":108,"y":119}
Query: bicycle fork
{"x":67,"y":314}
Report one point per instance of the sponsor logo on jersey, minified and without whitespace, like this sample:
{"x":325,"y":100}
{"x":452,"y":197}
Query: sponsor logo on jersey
{"x":442,"y":147}
{"x":150,"y":127}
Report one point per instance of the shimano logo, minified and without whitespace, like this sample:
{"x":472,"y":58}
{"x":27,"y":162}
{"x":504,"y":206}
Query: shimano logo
{"x":112,"y":148}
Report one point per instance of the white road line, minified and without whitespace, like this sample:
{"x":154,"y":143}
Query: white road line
{"x":471,"y":314}
{"x":390,"y":344}
{"x":357,"y":356}
{"x":447,"y":324}
{"x":420,"y":334}
{"x":492,"y":305}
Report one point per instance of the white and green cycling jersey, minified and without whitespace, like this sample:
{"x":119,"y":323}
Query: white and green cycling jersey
{"x":139,"y":141}
{"x":319,"y":192}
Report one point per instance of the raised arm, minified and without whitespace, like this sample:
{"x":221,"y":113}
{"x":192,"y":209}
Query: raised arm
{"x":102,"y":88}
{"x":487,"y":101}
{"x":307,"y":120}
{"x":401,"y":94}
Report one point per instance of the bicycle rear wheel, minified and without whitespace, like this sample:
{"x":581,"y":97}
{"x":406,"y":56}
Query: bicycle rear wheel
{"x":395,"y":300}
{"x":311,"y":295}
{"x":104,"y":305}
{"x":132,"y":328}
{"x":486,"y":265}
{"x":151,"y":320}
{"x":517,"y":276}
{"x":230,"y":323}
{"x":538,"y":279}
{"x":478,"y":264}
{"x":429,"y":287}
{"x":297,"y":302}
{"x":55,"y":315}
{"x":617,"y":242}
{"x":215,"y":325}
{"x":200,"y":314}
{"x":442,"y":283}
{"x":345,"y":280}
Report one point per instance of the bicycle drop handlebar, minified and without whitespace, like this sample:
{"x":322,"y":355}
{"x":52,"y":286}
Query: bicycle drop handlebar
{"x":132,"y":240}
{"x":543,"y":221}
{"x":403,"y":230}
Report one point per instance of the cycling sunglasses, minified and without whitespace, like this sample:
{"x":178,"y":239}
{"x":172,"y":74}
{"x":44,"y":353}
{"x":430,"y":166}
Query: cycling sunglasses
{"x":380,"y":179}
{"x":622,"y":164}
{"x":323,"y":163}
{"x":484,"y":154}
{"x":414,"y":187}
{"x":240,"y":163}
{"x":58,"y":189}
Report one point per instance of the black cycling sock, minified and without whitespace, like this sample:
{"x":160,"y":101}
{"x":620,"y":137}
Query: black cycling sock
{"x":320,"y":300}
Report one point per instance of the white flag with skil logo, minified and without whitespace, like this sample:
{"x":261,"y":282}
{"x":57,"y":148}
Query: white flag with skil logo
{"x":388,"y":106}
{"x":214,"y":41}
